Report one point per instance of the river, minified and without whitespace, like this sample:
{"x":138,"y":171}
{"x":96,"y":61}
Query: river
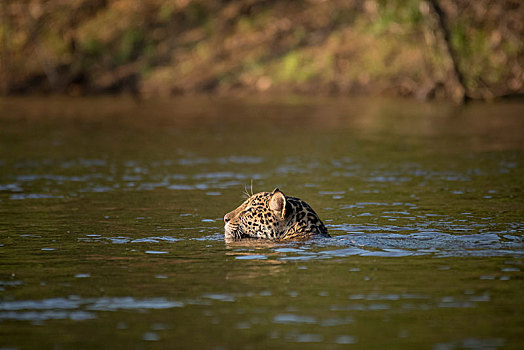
{"x":111,"y":230}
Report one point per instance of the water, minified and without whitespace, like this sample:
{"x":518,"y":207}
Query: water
{"x":111,"y":224}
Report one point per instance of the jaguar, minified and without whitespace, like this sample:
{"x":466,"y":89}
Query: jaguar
{"x":273,"y":216}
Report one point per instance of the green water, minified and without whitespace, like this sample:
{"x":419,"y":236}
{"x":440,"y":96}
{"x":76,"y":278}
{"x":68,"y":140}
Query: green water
{"x":111,"y":231}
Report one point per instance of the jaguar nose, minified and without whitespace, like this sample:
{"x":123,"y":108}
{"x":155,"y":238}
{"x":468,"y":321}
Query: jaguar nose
{"x":227,"y":218}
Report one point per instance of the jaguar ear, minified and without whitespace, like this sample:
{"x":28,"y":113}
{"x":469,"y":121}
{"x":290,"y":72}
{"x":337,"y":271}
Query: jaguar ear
{"x":278,"y":202}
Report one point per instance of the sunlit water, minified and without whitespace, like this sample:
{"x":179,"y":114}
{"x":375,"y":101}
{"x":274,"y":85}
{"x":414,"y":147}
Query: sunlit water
{"x":111,"y":231}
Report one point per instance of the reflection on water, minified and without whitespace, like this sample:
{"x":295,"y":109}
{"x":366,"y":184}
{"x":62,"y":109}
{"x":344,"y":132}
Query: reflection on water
{"x":111,"y":224}
{"x":76,"y":308}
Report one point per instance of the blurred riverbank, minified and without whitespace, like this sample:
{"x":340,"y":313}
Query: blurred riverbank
{"x":424,"y":49}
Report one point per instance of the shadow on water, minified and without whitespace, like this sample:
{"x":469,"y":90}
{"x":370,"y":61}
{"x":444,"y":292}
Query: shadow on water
{"x":111,"y":224}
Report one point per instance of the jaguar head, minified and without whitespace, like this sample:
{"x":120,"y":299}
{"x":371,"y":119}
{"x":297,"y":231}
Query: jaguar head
{"x":260,"y":216}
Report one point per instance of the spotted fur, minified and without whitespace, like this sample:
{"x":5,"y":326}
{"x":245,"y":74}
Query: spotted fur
{"x":273,"y":216}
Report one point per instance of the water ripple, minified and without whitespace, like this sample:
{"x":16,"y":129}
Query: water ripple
{"x":75,"y":308}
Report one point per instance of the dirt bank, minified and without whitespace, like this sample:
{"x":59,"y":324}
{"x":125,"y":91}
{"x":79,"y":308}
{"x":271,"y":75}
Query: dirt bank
{"x":427,"y":49}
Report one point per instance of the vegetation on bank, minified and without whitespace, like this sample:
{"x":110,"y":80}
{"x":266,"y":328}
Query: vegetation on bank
{"x":423,"y":48}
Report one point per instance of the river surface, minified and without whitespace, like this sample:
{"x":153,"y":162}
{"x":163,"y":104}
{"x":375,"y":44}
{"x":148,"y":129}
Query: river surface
{"x":111,"y":231}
